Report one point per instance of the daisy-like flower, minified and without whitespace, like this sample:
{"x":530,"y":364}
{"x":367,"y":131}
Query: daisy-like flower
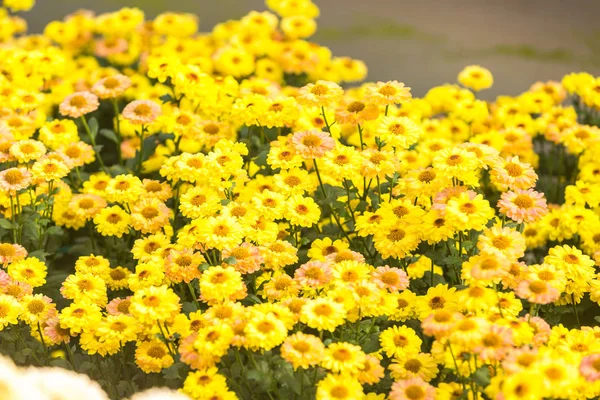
{"x":476,"y":77}
{"x":142,"y":112}
{"x":314,"y":274}
{"x":111,"y":86}
{"x":78,"y":153}
{"x":399,"y":132}
{"x":386,"y":93}
{"x":343,"y":357}
{"x":149,"y":215}
{"x":78,"y":104}
{"x":110,"y":46}
{"x":440,"y":322}
{"x":399,"y":340}
{"x":152,"y":356}
{"x":183,"y":265}
{"x":112,"y":221}
{"x":119,"y":306}
{"x":590,"y":367}
{"x":502,"y":241}
{"x":495,"y":343}
{"x":355,"y":112}
{"x":412,"y":389}
{"x":14,"y":179}
{"x":320,"y":94}
{"x":312,"y":143}
{"x":523,"y":205}
{"x":247,"y":257}
{"x":56,"y":333}
{"x":392,"y":279}
{"x":513,"y":174}
{"x":342,"y":387}
{"x":302,"y":350}
{"x":537,"y":291}
{"x":10,"y":253}
{"x":49,"y":169}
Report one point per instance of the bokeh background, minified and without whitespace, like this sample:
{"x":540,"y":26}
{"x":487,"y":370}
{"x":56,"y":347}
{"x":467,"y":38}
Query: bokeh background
{"x":420,"y":42}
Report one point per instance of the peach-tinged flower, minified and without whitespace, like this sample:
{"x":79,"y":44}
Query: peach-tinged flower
{"x":314,"y":274}
{"x":320,"y":93}
{"x":10,"y":252}
{"x":78,"y":104}
{"x":441,"y":199}
{"x":386,"y":93}
{"x":111,"y":46}
{"x":440,"y":322}
{"x":119,"y":306}
{"x":523,"y":205}
{"x":513,"y":174}
{"x":312,"y":144}
{"x":14,"y":179}
{"x":55,"y":332}
{"x":111,"y":86}
{"x":540,"y":327}
{"x":247,"y":257}
{"x":141,"y":112}
{"x":412,"y":389}
{"x":495,"y":343}
{"x":590,"y":367}
{"x":356,"y":112}
{"x":537,"y":291}
{"x":393,"y":279}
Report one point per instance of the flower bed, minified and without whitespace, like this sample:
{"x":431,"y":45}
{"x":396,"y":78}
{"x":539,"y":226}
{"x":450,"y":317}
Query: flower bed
{"x":224,"y":215}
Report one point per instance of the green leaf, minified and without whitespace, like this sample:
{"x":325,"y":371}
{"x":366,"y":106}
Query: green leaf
{"x":482,"y":376}
{"x":230,"y":260}
{"x":86,"y":366}
{"x":30,"y":230}
{"x":166,"y":98}
{"x":93,"y":124}
{"x":54,"y":231}
{"x":173,"y":372}
{"x":6,"y":224}
{"x":110,"y":135}
{"x":39,"y":254}
{"x":60,"y":362}
{"x":189,"y":307}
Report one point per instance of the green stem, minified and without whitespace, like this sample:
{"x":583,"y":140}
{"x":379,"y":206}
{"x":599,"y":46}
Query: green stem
{"x":193,"y":293}
{"x":166,"y":340}
{"x":93,"y":140}
{"x":360,"y":135}
{"x":575,"y":310}
{"x":325,"y":119}
{"x":39,"y":328}
{"x":140,"y":158}
{"x":12,"y":217}
{"x":456,"y":366}
{"x":118,"y":129}
{"x":319,"y":177}
{"x":70,"y":356}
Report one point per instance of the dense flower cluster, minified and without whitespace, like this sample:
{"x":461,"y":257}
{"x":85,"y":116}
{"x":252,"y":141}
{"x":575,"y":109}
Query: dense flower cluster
{"x":223,"y":214}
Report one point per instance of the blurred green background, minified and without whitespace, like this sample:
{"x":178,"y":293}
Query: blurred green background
{"x":420,"y":42}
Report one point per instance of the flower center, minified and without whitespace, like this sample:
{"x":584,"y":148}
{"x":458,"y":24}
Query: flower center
{"x":523,"y":201}
{"x":13,"y":176}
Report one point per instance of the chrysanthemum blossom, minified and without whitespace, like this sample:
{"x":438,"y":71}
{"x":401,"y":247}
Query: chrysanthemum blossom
{"x":78,"y":104}
{"x":14,"y":179}
{"x":590,"y":367}
{"x":111,"y":86}
{"x":411,"y":389}
{"x":312,"y":143}
{"x":523,"y":205}
{"x":141,"y":112}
